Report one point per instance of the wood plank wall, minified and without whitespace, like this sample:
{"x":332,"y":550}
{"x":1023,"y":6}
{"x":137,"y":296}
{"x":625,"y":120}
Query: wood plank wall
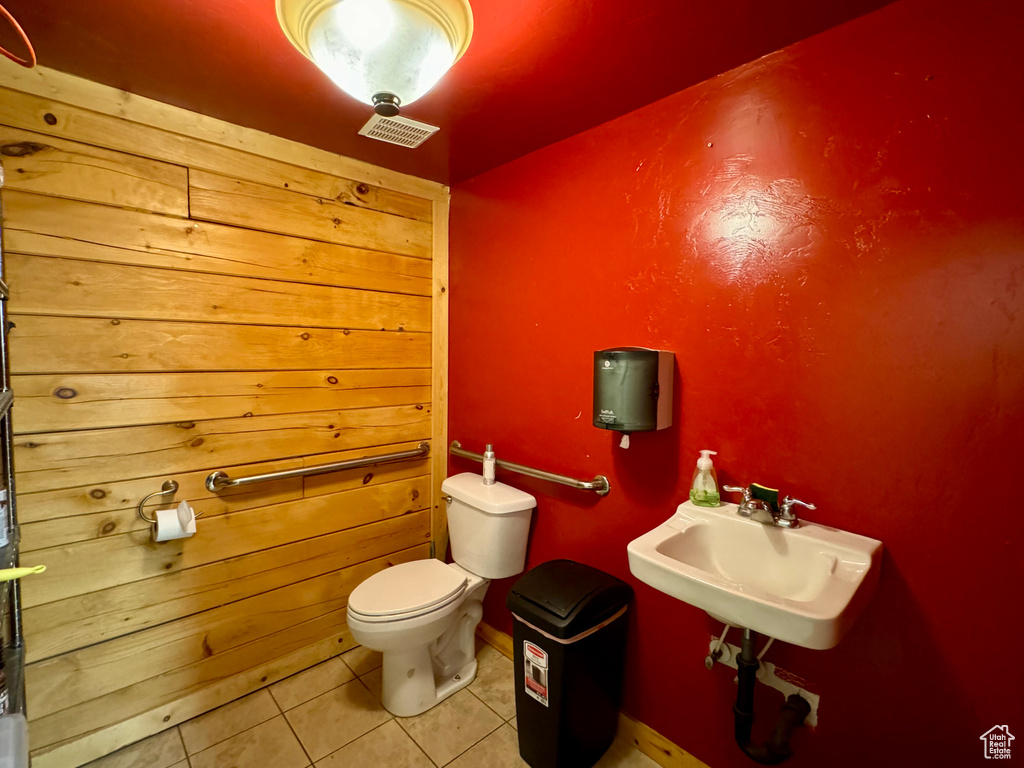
{"x":190,"y":296}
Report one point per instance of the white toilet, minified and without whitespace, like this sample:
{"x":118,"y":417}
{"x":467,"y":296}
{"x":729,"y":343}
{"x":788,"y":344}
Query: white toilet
{"x":423,"y":615}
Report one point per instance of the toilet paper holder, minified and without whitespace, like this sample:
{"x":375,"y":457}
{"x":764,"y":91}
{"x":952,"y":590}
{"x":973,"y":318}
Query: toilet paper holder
{"x":169,"y":486}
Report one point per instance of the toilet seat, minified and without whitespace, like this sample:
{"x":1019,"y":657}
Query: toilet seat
{"x":407,"y":590}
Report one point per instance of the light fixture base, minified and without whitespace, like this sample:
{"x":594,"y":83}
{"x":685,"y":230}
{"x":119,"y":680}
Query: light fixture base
{"x":386,"y":104}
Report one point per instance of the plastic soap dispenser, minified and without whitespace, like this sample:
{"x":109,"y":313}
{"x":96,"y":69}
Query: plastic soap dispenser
{"x":704,"y":489}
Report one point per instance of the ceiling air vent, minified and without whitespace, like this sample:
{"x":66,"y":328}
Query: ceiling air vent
{"x":398,"y":130}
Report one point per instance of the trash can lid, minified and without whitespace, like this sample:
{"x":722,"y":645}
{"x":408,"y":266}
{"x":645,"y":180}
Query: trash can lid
{"x":565,"y":598}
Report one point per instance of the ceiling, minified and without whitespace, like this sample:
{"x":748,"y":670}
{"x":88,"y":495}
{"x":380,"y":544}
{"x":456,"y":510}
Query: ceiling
{"x":536,"y":71}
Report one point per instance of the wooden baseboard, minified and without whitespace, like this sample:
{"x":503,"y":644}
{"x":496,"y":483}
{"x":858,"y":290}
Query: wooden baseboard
{"x":646,"y":739}
{"x":654,"y":745}
{"x":495,"y":638}
{"x":104,"y":741}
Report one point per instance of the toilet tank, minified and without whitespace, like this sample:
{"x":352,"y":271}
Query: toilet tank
{"x":488,"y":525}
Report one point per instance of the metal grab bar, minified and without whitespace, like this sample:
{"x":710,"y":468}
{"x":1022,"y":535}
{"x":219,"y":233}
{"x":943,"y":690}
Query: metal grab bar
{"x":598,"y":485}
{"x":217,"y":481}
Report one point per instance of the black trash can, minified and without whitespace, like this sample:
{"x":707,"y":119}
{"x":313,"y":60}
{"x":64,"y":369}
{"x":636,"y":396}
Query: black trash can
{"x":570,"y":643}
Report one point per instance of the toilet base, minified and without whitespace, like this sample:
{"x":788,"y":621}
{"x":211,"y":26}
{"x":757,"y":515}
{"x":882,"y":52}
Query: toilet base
{"x":421,"y":677}
{"x":407,"y":695}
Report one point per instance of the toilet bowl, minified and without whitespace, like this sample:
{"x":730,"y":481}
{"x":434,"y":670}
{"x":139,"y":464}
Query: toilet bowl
{"x":422,"y":615}
{"x":425,"y":632}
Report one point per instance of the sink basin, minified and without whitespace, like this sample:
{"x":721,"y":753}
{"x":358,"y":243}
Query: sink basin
{"x":802,"y":585}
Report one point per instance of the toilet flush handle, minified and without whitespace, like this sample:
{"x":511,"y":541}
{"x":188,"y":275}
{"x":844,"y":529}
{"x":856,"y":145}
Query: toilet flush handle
{"x":446,"y":499}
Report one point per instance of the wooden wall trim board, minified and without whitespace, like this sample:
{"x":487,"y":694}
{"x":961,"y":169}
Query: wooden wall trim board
{"x":217,"y":198}
{"x":47,"y":403}
{"x":84,"y":230}
{"x":83,"y":126}
{"x":188,"y":295}
{"x":439,"y":370}
{"x":112,"y":345}
{"x":646,"y":739}
{"x":71,"y":90}
{"x":69,"y":287}
{"x":52,"y":166}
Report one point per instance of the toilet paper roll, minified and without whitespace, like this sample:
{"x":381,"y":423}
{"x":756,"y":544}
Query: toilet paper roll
{"x":178,"y":523}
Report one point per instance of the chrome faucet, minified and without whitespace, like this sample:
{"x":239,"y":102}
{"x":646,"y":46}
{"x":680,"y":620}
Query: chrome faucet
{"x":778,"y":515}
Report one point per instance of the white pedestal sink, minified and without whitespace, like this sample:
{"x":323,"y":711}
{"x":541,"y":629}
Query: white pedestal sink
{"x":803,"y":585}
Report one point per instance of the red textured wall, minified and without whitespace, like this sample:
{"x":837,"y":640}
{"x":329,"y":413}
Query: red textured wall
{"x":831,"y":240}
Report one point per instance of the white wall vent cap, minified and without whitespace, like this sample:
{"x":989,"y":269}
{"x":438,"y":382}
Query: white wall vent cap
{"x":398,"y":130}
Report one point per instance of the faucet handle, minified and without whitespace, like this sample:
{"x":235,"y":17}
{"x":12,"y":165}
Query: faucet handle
{"x":789,"y":502}
{"x":748,"y":505}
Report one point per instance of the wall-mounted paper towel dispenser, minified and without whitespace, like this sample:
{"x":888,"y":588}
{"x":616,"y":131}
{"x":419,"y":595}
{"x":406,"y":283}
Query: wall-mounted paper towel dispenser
{"x":633,"y":389}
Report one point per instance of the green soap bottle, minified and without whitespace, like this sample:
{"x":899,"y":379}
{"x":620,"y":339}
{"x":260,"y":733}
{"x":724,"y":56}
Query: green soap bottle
{"x":704,"y":488}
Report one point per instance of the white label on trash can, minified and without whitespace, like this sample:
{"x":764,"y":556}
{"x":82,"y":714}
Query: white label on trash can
{"x":536,"y":677}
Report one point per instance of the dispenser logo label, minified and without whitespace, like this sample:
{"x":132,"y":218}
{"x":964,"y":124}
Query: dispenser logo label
{"x":536,"y":677}
{"x":607,"y":416}
{"x":997,"y":742}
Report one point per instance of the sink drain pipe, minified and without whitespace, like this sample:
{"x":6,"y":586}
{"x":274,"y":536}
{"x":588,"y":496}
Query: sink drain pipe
{"x":792,"y":716}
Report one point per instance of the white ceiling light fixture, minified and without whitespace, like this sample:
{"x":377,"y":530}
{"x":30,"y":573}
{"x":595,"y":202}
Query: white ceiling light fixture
{"x":386,"y":53}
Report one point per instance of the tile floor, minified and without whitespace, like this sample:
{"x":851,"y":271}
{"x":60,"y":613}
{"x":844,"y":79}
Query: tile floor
{"x":330,"y":717}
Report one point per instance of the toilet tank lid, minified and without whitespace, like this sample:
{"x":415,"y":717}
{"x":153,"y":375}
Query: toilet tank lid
{"x":497,"y":499}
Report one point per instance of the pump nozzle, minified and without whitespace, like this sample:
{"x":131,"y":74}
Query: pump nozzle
{"x":704,"y":462}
